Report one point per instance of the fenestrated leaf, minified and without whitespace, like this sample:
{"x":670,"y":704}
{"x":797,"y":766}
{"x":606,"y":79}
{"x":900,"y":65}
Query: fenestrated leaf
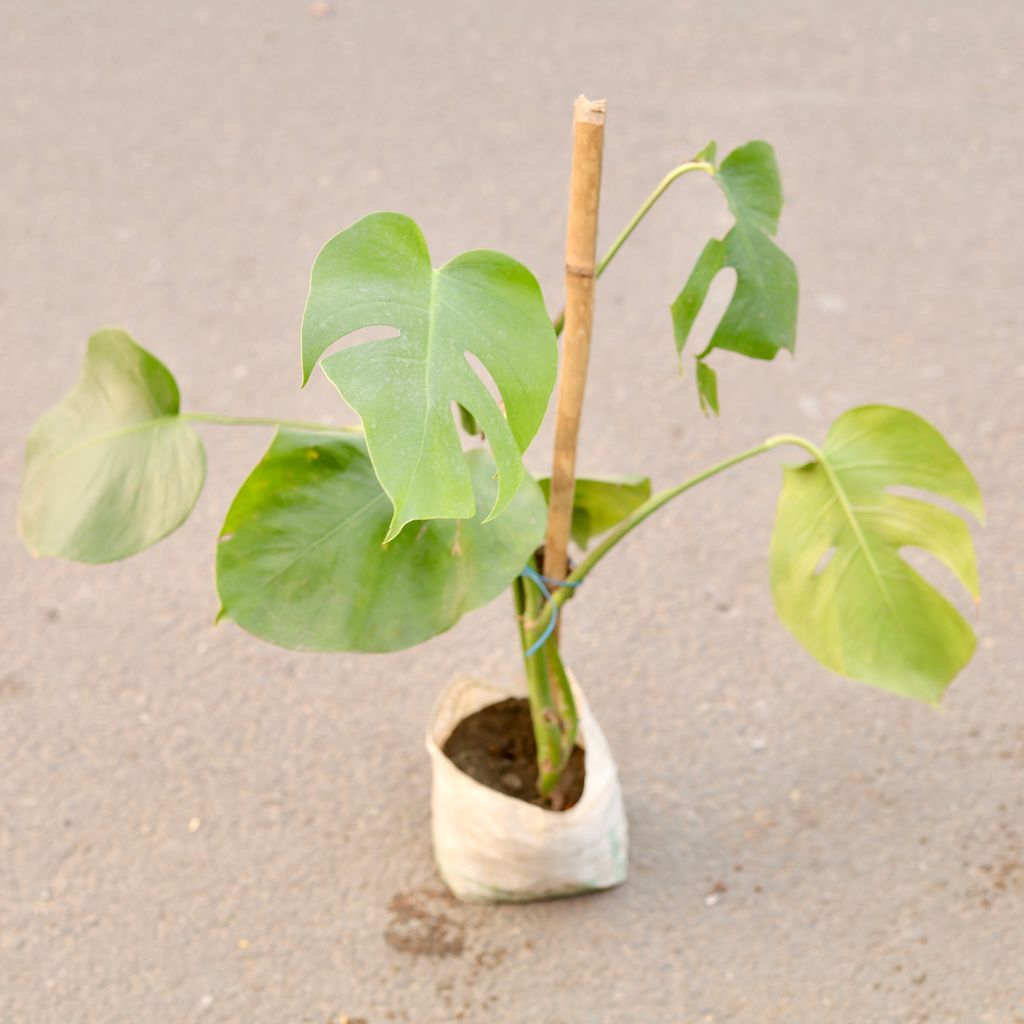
{"x":838,"y":579}
{"x":378,"y":272}
{"x":761,"y":316}
{"x":599,"y":503}
{"x":301,"y":561}
{"x":111,"y":468}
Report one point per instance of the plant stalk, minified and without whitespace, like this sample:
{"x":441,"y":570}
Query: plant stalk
{"x":547,"y":726}
{"x":565,"y":702}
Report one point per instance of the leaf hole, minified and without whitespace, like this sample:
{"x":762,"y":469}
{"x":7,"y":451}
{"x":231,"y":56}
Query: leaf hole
{"x":823,"y":562}
{"x":921,"y":494}
{"x":713,"y":309}
{"x":485,"y":376}
{"x":469,"y":441}
{"x":942,"y":578}
{"x":931,"y":568}
{"x":377,"y":332}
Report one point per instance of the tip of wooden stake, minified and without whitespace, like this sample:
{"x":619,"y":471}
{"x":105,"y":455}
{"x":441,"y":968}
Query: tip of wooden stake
{"x":591,"y":111}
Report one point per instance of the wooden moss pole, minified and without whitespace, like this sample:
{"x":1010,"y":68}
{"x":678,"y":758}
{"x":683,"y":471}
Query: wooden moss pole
{"x":580,"y":258}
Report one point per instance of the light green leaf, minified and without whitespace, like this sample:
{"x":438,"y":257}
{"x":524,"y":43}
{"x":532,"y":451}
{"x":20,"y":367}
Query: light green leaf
{"x":482,"y":303}
{"x":707,"y":387}
{"x":599,"y":503}
{"x":111,"y":468}
{"x":708,"y":154}
{"x":761,"y":316}
{"x":838,"y":580}
{"x":301,"y":561}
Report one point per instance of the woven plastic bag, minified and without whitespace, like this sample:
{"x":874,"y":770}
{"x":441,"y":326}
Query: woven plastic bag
{"x":493,"y":848}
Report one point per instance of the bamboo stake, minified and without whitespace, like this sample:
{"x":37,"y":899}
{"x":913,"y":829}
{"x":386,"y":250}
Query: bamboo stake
{"x":580,"y":252}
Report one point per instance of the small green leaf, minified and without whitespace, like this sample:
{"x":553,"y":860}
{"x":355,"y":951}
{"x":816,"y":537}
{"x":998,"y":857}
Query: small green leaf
{"x":482,"y":303}
{"x":469,"y":423}
{"x":838,"y":580}
{"x":301,"y":561}
{"x":707,"y":388}
{"x":599,"y":503}
{"x":761,"y":316}
{"x":708,"y":154}
{"x":112,"y":468}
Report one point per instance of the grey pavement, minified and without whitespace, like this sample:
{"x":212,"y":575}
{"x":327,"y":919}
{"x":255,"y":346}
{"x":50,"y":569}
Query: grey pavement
{"x":196,"y":827}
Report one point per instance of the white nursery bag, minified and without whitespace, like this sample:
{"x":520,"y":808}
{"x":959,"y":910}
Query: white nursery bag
{"x":493,"y":848}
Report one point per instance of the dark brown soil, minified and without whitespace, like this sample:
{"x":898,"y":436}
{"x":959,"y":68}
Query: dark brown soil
{"x":495,"y":746}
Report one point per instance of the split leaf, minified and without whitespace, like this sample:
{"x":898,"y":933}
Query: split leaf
{"x":482,"y":303}
{"x":761,"y":316}
{"x":839,"y":582}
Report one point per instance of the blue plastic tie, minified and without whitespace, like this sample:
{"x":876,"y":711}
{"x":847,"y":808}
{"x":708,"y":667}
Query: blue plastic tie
{"x":542,"y":581}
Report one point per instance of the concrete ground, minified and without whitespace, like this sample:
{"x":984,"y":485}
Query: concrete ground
{"x":198,"y":827}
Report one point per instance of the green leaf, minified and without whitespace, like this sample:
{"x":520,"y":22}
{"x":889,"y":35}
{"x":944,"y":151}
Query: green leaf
{"x":301,"y":561}
{"x":761,"y":316}
{"x":468,"y":423}
{"x":599,"y":503}
{"x":749,"y":177}
{"x":838,"y":580}
{"x":689,"y":301}
{"x":482,"y":303}
{"x":707,"y":387}
{"x":708,"y":154}
{"x":111,"y":468}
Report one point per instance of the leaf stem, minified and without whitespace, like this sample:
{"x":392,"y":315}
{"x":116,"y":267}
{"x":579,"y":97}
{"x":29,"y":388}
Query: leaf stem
{"x":655,"y":502}
{"x":265,"y":421}
{"x":676,"y":172}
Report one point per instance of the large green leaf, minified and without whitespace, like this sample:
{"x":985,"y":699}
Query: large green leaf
{"x":838,"y":579}
{"x":301,"y":561}
{"x":482,"y":303}
{"x":599,"y":503}
{"x":111,"y":468}
{"x":761,"y":316}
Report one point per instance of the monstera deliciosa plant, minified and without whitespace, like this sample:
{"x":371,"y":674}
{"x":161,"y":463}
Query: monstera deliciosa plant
{"x":379,"y":536}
